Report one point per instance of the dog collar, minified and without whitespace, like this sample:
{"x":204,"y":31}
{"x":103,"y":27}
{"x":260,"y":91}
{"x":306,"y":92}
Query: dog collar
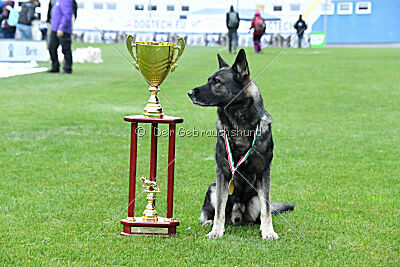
{"x":233,"y":168}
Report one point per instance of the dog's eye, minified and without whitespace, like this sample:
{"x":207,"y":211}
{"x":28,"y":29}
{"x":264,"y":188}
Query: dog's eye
{"x":217,"y":80}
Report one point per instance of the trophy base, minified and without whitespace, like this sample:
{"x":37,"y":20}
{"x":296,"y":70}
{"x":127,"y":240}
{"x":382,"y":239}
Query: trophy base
{"x":149,"y":114}
{"x":137,"y":226}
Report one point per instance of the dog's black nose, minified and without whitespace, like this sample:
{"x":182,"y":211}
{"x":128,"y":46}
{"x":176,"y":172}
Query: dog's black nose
{"x":190,"y":93}
{"x":237,"y":220}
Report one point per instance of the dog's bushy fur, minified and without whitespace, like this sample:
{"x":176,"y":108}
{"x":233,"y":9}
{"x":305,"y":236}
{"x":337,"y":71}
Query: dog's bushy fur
{"x":240,"y":110}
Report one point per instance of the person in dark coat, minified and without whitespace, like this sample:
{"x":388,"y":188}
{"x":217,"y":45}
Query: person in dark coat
{"x":61,"y":31}
{"x":300,"y":27}
{"x":232,"y":23}
{"x":7,"y":30}
{"x":26,"y":16}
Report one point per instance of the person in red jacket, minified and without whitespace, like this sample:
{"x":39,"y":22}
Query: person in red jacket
{"x":258,"y":24}
{"x":7,"y":30}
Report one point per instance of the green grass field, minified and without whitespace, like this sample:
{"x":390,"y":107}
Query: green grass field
{"x":64,"y":162}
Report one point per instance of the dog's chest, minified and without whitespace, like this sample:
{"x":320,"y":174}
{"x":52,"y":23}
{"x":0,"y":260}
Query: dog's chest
{"x":241,"y":143}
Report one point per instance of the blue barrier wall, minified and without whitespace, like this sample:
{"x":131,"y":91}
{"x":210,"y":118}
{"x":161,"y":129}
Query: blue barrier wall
{"x":381,"y":26}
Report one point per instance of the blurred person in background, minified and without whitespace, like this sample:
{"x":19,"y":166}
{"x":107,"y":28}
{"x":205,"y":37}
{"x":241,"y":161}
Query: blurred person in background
{"x":26,"y":16}
{"x":50,"y":7}
{"x":300,"y":27}
{"x":43,"y":30}
{"x":51,"y":3}
{"x":8,"y":31}
{"x":1,"y":16}
{"x":61,"y":31}
{"x":232,"y":23}
{"x":258,"y":24}
{"x":1,"y":11}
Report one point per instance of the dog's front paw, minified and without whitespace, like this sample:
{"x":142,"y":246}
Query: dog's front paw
{"x":215,"y":234}
{"x":269,"y":235}
{"x":208,"y":223}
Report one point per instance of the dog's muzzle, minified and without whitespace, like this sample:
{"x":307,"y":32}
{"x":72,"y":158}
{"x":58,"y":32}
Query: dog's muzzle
{"x":190,"y":93}
{"x":196,"y":98}
{"x":192,"y":96}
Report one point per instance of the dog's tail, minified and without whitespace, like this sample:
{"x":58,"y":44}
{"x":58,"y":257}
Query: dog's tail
{"x":279,"y":207}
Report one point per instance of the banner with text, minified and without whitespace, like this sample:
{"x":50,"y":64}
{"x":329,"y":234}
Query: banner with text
{"x":18,"y":50}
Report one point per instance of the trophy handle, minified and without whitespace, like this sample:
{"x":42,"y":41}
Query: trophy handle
{"x":129,"y":45}
{"x":180,"y":48}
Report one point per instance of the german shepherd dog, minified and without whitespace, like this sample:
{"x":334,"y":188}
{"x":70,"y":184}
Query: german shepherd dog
{"x":240,"y":109}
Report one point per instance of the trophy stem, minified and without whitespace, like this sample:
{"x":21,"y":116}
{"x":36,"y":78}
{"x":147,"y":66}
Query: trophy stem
{"x":153,"y":108}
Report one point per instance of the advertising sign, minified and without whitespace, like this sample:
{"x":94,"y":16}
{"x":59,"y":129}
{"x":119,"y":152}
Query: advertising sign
{"x":317,"y":39}
{"x":18,"y":50}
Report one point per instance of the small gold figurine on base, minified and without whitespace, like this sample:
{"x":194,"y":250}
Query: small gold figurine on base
{"x":151,"y":188}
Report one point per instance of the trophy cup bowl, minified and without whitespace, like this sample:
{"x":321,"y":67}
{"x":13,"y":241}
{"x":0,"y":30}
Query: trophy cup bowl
{"x":154,"y":60}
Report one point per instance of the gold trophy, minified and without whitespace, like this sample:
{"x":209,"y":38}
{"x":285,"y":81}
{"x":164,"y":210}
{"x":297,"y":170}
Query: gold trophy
{"x":154,"y":60}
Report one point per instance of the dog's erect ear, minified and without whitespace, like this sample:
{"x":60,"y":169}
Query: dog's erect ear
{"x":221,"y":62}
{"x":241,"y":67}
